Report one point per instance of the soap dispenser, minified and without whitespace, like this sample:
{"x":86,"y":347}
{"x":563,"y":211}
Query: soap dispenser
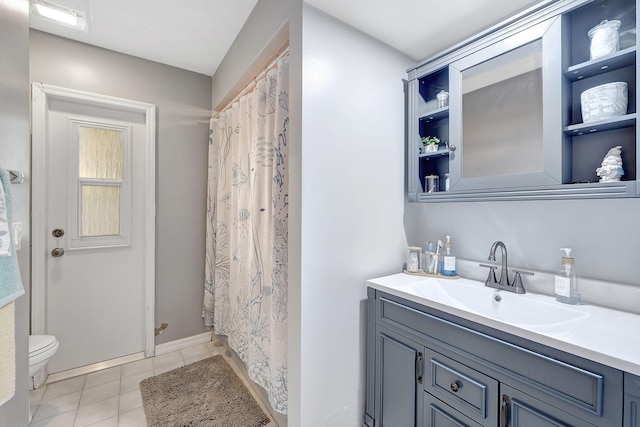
{"x":448,"y":267}
{"x":567,"y":280}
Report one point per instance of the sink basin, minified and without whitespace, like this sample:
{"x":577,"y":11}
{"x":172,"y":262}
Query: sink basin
{"x":596,"y":333}
{"x":529,"y":311}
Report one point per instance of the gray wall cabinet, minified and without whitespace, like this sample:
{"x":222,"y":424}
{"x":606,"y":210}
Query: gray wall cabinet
{"x":427,"y":368}
{"x":515,"y":132}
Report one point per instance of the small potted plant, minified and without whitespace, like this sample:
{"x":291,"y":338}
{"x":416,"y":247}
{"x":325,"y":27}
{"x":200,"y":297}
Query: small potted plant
{"x":431,"y":144}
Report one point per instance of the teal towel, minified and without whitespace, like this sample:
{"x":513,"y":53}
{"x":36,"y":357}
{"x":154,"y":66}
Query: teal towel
{"x":10,"y":282}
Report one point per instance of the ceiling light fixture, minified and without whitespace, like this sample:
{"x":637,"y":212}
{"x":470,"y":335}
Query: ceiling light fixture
{"x":70,"y":13}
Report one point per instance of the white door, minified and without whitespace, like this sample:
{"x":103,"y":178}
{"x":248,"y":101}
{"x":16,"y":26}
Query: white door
{"x":97,"y":243}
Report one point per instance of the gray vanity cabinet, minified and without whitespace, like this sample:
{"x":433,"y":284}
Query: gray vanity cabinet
{"x":427,"y":368}
{"x":631,"y":401}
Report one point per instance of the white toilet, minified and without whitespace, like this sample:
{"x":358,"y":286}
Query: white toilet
{"x":41,"y":349}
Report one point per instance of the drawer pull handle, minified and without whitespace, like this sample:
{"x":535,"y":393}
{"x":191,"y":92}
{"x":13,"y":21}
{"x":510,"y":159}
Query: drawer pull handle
{"x":505,"y":411}
{"x":455,"y":386}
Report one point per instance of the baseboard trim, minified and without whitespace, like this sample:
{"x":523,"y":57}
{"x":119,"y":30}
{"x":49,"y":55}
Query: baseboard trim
{"x":182,"y":343}
{"x":164,"y":348}
{"x":82,"y":370}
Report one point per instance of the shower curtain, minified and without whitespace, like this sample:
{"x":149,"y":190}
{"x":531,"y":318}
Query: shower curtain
{"x":245,"y":294}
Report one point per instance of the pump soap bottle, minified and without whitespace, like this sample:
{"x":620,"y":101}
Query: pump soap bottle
{"x":567,"y":281}
{"x":448,"y":260}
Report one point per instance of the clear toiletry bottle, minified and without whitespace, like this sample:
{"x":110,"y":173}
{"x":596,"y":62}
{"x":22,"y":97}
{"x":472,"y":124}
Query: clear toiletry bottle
{"x":567,"y":281}
{"x":431,"y":265}
{"x":448,"y":259}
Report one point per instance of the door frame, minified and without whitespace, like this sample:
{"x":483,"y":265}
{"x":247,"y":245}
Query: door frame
{"x":41,"y":94}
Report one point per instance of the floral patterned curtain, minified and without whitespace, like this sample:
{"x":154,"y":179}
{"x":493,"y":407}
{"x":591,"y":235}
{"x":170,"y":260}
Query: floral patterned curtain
{"x":245,"y":294}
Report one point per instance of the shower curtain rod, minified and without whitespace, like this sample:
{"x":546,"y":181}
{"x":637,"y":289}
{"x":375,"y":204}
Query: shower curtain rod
{"x":252,"y":84}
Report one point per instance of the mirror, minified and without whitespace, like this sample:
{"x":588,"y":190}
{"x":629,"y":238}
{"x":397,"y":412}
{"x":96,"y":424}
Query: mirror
{"x":502,"y":114}
{"x":503,"y":133}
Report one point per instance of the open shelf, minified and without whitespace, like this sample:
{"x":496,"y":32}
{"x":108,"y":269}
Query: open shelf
{"x":438,"y":114}
{"x":439,"y":153}
{"x":602,"y":125}
{"x":614,"y":61}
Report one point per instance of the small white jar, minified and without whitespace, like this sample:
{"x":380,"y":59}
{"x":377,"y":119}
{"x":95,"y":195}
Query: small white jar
{"x":443,"y":99}
{"x":604,"y":38}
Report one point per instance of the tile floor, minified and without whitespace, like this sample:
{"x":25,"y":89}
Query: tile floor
{"x":111,"y":397}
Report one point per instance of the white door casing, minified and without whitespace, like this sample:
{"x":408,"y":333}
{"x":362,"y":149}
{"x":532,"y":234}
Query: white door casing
{"x":97,"y":276}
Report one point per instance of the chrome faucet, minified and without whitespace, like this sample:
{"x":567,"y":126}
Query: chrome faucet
{"x":504,"y":270}
{"x":516,"y":286}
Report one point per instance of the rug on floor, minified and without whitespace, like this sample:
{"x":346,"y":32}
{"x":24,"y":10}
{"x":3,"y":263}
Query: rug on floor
{"x":207,"y":393}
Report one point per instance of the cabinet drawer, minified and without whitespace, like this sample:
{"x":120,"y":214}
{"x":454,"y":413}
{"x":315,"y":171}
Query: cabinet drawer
{"x":438,"y":414}
{"x":469,"y":391}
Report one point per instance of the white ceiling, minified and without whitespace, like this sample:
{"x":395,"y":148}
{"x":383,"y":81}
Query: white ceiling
{"x":197,"y":37}
{"x":421,"y":28}
{"x":194,"y":38}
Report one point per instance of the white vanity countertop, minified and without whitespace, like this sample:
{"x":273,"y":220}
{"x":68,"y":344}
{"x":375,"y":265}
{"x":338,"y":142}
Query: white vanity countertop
{"x":596,"y":333}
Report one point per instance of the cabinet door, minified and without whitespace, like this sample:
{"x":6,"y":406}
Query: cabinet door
{"x":505,"y":114}
{"x":631,"y":401}
{"x":399,"y":367}
{"x":518,"y":409}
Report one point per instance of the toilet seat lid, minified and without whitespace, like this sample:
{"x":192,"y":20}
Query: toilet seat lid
{"x":41,"y":343}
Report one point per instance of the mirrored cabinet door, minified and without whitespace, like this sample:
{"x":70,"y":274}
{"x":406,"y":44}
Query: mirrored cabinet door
{"x":505,"y":107}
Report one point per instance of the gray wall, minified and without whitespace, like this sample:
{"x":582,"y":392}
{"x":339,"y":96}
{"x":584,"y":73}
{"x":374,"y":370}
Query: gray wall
{"x":603,"y":233}
{"x":14,"y":154}
{"x":184,"y":103}
{"x":346,"y":195}
{"x":256,"y":43}
{"x":352,"y":202}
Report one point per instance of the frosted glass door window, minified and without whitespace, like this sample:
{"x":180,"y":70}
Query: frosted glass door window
{"x":100,"y":158}
{"x":100,"y":210}
{"x":100,"y":153}
{"x":100,"y":204}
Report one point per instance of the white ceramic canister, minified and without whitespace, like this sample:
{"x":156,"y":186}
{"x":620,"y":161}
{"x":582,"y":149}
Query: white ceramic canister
{"x":604,"y":38}
{"x":604,"y":101}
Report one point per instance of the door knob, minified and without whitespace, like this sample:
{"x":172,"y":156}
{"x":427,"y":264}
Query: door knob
{"x":58,"y":232}
{"x":57,"y":252}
